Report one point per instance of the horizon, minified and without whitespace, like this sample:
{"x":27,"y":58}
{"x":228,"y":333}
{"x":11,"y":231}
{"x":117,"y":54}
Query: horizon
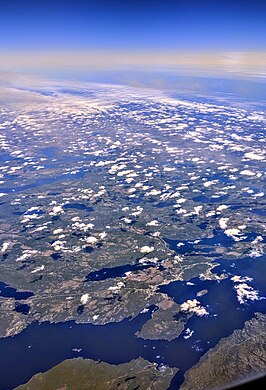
{"x":112,"y":34}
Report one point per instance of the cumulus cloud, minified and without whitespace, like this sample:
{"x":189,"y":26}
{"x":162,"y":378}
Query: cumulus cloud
{"x":244,"y":291}
{"x":193,"y":306}
{"x":84,"y":299}
{"x":146,"y":249}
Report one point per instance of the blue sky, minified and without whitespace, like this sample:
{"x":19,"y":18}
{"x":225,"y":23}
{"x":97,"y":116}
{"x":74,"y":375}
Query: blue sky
{"x":102,"y":24}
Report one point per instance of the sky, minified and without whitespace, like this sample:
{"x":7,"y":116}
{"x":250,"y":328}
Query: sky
{"x":58,"y":30}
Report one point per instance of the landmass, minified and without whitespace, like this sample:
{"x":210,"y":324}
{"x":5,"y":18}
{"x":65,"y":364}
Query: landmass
{"x":238,"y":356}
{"x":83,"y":374}
{"x":116,"y":201}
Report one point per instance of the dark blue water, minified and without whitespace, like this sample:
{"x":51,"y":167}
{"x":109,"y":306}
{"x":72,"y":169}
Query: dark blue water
{"x":10,"y":292}
{"x":56,"y":256}
{"x":261,"y":212}
{"x":41,"y":182}
{"x":114,"y":272}
{"x":204,"y":199}
{"x":50,"y":151}
{"x":78,"y":206}
{"x":39,"y":212}
{"x":181,"y":291}
{"x":4,"y":157}
{"x":22,"y":308}
{"x":219,"y":238}
{"x":254,"y":268}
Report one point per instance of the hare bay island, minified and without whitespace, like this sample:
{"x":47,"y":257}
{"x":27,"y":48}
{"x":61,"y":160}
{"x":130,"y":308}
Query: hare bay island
{"x":132,"y":238}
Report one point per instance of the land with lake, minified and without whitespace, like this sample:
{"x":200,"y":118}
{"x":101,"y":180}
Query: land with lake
{"x":132,"y":237}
